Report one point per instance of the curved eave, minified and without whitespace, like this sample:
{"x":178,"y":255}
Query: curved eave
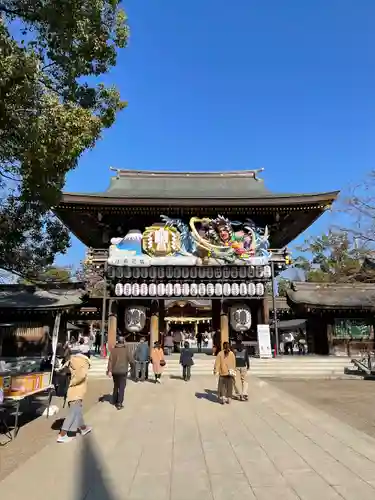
{"x":69,"y":199}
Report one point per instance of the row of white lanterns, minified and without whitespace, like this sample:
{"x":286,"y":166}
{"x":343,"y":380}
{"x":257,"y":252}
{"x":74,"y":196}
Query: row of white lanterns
{"x":189,"y":289}
{"x":179,"y":272}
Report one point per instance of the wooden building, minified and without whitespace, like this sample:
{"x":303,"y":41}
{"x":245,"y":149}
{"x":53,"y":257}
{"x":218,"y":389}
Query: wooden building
{"x":27,"y":316}
{"x":185,"y":236}
{"x":340,"y":317}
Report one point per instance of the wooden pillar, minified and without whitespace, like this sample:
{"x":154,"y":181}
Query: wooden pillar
{"x":161,"y":320}
{"x":224,"y":325}
{"x":112,"y":324}
{"x":266,"y":312}
{"x":154,"y":323}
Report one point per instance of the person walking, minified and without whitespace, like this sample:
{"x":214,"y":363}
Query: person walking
{"x":168,"y":343}
{"x":242,"y":366}
{"x":98,"y":341}
{"x":187,"y":361}
{"x":225,"y":367}
{"x":79,"y":365}
{"x":199,"y":337}
{"x":158,"y":361}
{"x":141,"y":357}
{"x":118,"y":368}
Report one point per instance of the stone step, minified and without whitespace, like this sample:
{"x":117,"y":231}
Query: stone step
{"x":287,"y":367}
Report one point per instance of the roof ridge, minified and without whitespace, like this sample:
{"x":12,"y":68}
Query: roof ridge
{"x":253,"y":173}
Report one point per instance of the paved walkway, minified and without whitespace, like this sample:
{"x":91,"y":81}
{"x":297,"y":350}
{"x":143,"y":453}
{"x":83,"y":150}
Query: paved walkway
{"x":172,"y":442}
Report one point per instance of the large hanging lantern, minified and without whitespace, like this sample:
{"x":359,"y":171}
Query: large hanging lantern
{"x":177,"y":289}
{"x":169,"y":289}
{"x":135,"y":318}
{"x":250,"y":272}
{"x":144,"y":272}
{"x":177,"y":272}
{"x":235,"y":289}
{"x":259,"y":272}
{"x":185,"y":272}
{"x":135,"y":290}
{"x":234,"y":272}
{"x":210,"y":273}
{"x":193,"y":289}
{"x":240,"y":317}
{"x":242,"y":272}
{"x":152,"y":272}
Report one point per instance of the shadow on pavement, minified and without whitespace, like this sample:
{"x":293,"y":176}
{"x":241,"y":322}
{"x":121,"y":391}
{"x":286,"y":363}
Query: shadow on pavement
{"x":176,"y":377}
{"x":105,"y":398}
{"x":93,"y":484}
{"x":208,"y":394}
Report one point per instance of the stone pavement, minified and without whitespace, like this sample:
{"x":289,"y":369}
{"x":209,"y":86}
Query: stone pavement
{"x":173,"y":442}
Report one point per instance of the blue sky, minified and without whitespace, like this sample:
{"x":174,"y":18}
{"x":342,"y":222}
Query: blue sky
{"x":211,"y":85}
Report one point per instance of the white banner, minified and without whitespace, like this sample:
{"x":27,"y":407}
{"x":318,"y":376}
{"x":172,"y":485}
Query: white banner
{"x":264,"y":341}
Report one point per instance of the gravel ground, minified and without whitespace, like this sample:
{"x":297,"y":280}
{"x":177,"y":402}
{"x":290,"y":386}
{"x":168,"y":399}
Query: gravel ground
{"x":351,"y":401}
{"x":37,"y":433}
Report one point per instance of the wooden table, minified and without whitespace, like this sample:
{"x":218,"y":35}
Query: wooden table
{"x":16,"y":400}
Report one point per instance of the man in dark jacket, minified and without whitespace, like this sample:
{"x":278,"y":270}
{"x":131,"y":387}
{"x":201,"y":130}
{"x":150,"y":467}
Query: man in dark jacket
{"x":186,"y":360}
{"x":242,"y":366}
{"x":141,"y":356}
{"x":118,"y":367}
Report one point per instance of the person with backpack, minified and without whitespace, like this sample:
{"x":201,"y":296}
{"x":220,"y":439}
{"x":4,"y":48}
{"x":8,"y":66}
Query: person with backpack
{"x":186,"y":361}
{"x":242,"y":366}
{"x":141,"y":357}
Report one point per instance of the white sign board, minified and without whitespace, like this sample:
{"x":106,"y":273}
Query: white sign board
{"x":264,"y":341}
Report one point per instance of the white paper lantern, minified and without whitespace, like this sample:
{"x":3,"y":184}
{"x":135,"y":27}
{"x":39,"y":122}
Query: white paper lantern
{"x":234,"y":272}
{"x":185,"y":271}
{"x":127,"y":272}
{"x":186,"y":289}
{"x":267,"y":271}
{"x":218,"y":289}
{"x":250,"y":272}
{"x":209,"y":273}
{"x":144,"y":272}
{"x":119,"y":289}
{"x":201,"y":289}
{"x":169,"y":272}
{"x":161,"y":272}
{"x":136,"y":272}
{"x":242,"y":272}
{"x":259,"y":271}
{"x":235,"y":289}
{"x":193,"y":272}
{"x":161,"y":290}
{"x":144,"y":290}
{"x":243,"y":289}
{"x":210,"y":289}
{"x":218,"y":272}
{"x":127,"y":289}
{"x":135,"y":289}
{"x":226,"y":289}
{"x":152,"y":289}
{"x":177,"y":272}
{"x":251,"y":289}
{"x":119,"y":272}
{"x":202,"y":272}
{"x":259,"y":289}
{"x":152,"y":272}
{"x":177,"y":289}
{"x":226,"y":272}
{"x":193,"y":289}
{"x":169,"y":289}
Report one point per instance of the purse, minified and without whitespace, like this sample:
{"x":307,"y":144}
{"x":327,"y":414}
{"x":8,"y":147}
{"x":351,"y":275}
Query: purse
{"x":232,"y":373}
{"x":162,"y":362}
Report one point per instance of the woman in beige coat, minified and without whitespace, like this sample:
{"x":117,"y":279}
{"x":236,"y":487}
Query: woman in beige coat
{"x":158,"y":361}
{"x":79,"y":365}
{"x":225,"y":367}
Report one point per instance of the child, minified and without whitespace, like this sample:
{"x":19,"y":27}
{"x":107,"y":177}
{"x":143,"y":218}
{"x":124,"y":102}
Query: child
{"x":186,"y":360}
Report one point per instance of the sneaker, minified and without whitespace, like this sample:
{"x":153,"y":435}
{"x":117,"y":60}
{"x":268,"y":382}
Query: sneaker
{"x":64,"y":439}
{"x":120,"y":407}
{"x":86,"y":430}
